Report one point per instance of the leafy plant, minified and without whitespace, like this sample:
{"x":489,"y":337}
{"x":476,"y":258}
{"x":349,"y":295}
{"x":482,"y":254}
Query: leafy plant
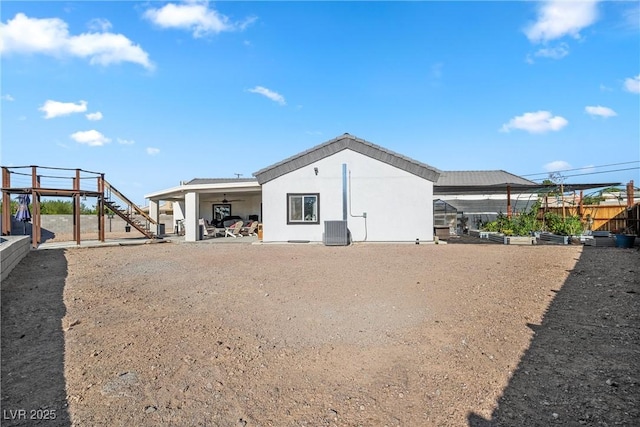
{"x":592,"y":200}
{"x":569,"y":226}
{"x":55,"y":207}
{"x":523,"y":224}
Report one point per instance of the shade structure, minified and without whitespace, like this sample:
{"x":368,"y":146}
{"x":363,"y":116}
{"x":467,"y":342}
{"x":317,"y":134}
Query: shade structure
{"x":23,"y":213}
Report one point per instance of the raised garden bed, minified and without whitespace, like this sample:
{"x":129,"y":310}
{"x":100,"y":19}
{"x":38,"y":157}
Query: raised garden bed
{"x":554,"y":238}
{"x":481,"y":234}
{"x":512,"y":240}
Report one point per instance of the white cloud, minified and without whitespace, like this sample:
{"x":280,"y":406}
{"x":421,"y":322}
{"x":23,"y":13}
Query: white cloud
{"x":557,"y":52}
{"x":632,"y":84}
{"x":196,"y":17}
{"x":92,"y":138}
{"x":274,"y":96}
{"x":152,"y":151}
{"x":600,"y":111}
{"x":50,"y":36}
{"x":559,"y":18}
{"x":126,"y":141}
{"x":557,"y":165}
{"x":94,"y":116}
{"x":536,"y":122}
{"x":56,"y":109}
{"x":631,"y":17}
{"x":8,"y":97}
{"x":99,"y":25}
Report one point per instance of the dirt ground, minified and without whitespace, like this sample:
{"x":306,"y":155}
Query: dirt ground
{"x":205,"y":334}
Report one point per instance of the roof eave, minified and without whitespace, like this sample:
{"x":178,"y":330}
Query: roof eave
{"x":341,"y":143}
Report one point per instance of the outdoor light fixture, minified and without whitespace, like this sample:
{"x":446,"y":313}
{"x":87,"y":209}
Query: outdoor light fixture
{"x":315,"y":170}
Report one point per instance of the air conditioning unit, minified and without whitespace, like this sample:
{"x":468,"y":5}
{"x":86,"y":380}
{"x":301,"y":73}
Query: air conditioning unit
{"x":336,"y":233}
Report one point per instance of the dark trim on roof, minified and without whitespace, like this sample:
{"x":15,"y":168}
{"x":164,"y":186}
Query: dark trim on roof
{"x":198,"y":181}
{"x":352,"y":143}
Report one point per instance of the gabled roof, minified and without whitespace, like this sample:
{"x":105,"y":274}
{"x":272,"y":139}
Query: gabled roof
{"x":479,"y":178}
{"x":352,"y":143}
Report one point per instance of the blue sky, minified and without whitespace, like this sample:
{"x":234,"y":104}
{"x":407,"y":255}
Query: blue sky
{"x":152,"y":93}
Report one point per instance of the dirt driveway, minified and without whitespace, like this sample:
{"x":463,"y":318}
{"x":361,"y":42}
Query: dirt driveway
{"x":285,"y":335}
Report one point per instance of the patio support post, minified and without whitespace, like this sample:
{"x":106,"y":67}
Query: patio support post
{"x":154,"y":213}
{"x":191,"y":226}
{"x":564,"y":214}
{"x":6,"y":202}
{"x":36,"y":225}
{"x":581,"y":204}
{"x":36,"y":220}
{"x":508,"y":201}
{"x":101,"y":208}
{"x":76,"y":207}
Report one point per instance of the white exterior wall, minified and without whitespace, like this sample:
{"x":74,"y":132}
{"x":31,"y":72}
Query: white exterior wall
{"x":154,"y":213}
{"x":399,"y":205}
{"x":191,"y":225}
{"x":178,"y":210}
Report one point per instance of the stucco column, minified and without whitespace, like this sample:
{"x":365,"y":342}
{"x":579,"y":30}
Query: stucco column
{"x":154,"y":214}
{"x":191,"y":215}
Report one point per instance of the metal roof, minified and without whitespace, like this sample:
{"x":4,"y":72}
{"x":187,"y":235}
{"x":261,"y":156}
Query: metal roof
{"x":485,"y":206}
{"x":352,"y":143}
{"x":514,"y":188}
{"x":479,"y":178}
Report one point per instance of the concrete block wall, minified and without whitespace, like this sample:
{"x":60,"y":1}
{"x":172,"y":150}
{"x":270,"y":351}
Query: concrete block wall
{"x":63,"y":224}
{"x":12,"y":250}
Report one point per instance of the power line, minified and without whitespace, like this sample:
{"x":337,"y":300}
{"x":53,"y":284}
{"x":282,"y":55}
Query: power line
{"x":594,"y":173}
{"x":582,"y":168}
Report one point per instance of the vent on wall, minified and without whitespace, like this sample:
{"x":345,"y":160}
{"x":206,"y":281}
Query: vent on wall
{"x":336,"y":233}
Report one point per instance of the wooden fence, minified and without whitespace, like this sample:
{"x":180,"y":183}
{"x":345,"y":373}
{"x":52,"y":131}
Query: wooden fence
{"x":603,"y":217}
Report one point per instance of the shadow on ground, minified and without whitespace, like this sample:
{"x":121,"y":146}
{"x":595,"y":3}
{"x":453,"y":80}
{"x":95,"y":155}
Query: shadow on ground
{"x":19,"y":228}
{"x":581,"y":367}
{"x":33,"y":382}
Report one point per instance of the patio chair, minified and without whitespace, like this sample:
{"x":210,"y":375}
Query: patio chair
{"x":209,"y":231}
{"x":250,"y":230}
{"x":233,"y":230}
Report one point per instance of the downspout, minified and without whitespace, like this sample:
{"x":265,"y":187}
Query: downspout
{"x":344,"y":191}
{"x":364,"y":214}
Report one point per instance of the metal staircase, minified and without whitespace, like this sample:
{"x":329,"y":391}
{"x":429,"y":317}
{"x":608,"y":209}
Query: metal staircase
{"x":120,"y":205}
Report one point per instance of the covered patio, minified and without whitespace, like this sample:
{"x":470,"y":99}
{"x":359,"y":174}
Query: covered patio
{"x":211,"y":200}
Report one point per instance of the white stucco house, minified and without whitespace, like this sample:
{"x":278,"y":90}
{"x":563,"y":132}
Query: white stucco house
{"x":350,"y":190}
{"x":379,"y":195}
{"x":383,"y":196}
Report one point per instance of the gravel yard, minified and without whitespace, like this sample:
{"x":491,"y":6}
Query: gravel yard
{"x":206,"y":334}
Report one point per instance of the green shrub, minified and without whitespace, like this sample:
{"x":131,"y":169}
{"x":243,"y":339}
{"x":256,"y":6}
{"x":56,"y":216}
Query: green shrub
{"x":569,"y":226}
{"x":523,"y":224}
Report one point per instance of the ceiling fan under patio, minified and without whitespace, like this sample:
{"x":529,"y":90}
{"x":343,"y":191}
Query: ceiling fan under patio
{"x":225,"y":200}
